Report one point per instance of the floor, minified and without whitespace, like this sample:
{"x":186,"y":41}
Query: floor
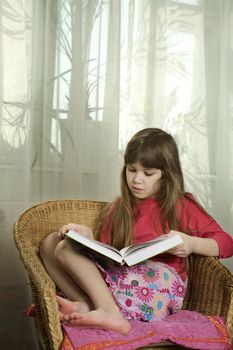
{"x":16,"y":330}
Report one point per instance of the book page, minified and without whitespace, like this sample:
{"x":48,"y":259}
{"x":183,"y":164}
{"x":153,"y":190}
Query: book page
{"x":127,"y":250}
{"x":154,"y":248}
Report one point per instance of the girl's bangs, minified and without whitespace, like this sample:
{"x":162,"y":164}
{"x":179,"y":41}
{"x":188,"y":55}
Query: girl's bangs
{"x":146,"y":158}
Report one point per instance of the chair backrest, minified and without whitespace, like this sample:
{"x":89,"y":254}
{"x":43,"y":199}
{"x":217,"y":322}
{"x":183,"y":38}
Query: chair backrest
{"x":42,"y":219}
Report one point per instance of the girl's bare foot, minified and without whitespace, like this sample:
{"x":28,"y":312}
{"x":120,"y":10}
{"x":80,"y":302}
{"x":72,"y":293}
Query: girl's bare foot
{"x":67,"y":306}
{"x":98,"y":319}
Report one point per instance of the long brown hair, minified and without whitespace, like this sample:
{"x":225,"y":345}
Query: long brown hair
{"x":152,"y":148}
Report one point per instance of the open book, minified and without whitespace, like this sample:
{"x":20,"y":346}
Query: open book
{"x":130,"y":255}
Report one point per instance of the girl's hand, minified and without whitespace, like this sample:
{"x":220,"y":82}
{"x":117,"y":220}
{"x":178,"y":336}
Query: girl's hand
{"x":184,"y":249}
{"x":83,"y":230}
{"x":192,"y":244}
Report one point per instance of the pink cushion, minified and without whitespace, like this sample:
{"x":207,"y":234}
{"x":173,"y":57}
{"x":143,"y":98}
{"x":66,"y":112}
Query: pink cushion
{"x":187,"y":328}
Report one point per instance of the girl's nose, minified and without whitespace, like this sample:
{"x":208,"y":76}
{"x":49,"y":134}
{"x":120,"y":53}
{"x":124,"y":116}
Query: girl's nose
{"x":137,"y":178}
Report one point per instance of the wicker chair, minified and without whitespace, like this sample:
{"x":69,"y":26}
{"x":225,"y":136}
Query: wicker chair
{"x":210,"y":286}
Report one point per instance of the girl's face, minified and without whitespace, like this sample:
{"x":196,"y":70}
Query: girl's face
{"x":143,"y":183}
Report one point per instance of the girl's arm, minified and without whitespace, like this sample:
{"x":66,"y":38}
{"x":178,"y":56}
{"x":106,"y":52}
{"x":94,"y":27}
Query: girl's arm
{"x":192,"y":244}
{"x":206,"y":236}
{"x":205,"y":246}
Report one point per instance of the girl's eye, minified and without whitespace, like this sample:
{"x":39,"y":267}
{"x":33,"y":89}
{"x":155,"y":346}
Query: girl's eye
{"x":131,"y":170}
{"x":148,"y":174}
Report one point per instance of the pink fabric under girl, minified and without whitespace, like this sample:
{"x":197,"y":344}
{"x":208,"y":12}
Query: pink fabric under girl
{"x":187,"y":328}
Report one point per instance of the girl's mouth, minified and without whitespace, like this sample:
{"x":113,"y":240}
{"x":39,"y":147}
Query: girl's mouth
{"x":136,"y":189}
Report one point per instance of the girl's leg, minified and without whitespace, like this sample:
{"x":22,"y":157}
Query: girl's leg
{"x":60,"y":277}
{"x":85,"y":275}
{"x":84,"y":272}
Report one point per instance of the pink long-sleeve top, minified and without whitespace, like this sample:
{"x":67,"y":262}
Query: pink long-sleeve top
{"x":147,"y":226}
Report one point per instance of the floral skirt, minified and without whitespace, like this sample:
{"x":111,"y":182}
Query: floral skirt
{"x":146,"y":291}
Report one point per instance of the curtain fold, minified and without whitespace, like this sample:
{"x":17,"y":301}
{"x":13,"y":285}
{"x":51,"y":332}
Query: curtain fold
{"x":223,"y":142}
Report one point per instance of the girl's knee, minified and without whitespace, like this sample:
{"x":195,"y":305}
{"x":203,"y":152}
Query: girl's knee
{"x":48,"y":244}
{"x":65,"y":253}
{"x":61,"y":249}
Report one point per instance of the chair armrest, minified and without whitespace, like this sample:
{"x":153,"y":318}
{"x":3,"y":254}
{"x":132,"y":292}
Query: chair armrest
{"x":210,"y":288}
{"x":29,"y":230}
{"x":43,"y":293}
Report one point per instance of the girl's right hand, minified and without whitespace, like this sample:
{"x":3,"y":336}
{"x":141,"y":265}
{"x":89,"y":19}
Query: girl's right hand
{"x":82,"y":229}
{"x":184,"y":249}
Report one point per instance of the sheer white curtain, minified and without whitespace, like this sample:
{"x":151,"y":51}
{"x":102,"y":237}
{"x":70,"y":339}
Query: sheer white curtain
{"x":78,"y":78}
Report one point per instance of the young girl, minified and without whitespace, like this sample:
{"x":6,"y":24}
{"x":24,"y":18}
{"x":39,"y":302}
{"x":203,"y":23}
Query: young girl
{"x":100,"y":293}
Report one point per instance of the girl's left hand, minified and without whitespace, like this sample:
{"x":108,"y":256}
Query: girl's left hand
{"x":83,"y":230}
{"x":184,"y":249}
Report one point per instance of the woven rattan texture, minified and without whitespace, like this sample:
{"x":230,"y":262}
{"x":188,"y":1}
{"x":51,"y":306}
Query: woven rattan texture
{"x":210,"y":286}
